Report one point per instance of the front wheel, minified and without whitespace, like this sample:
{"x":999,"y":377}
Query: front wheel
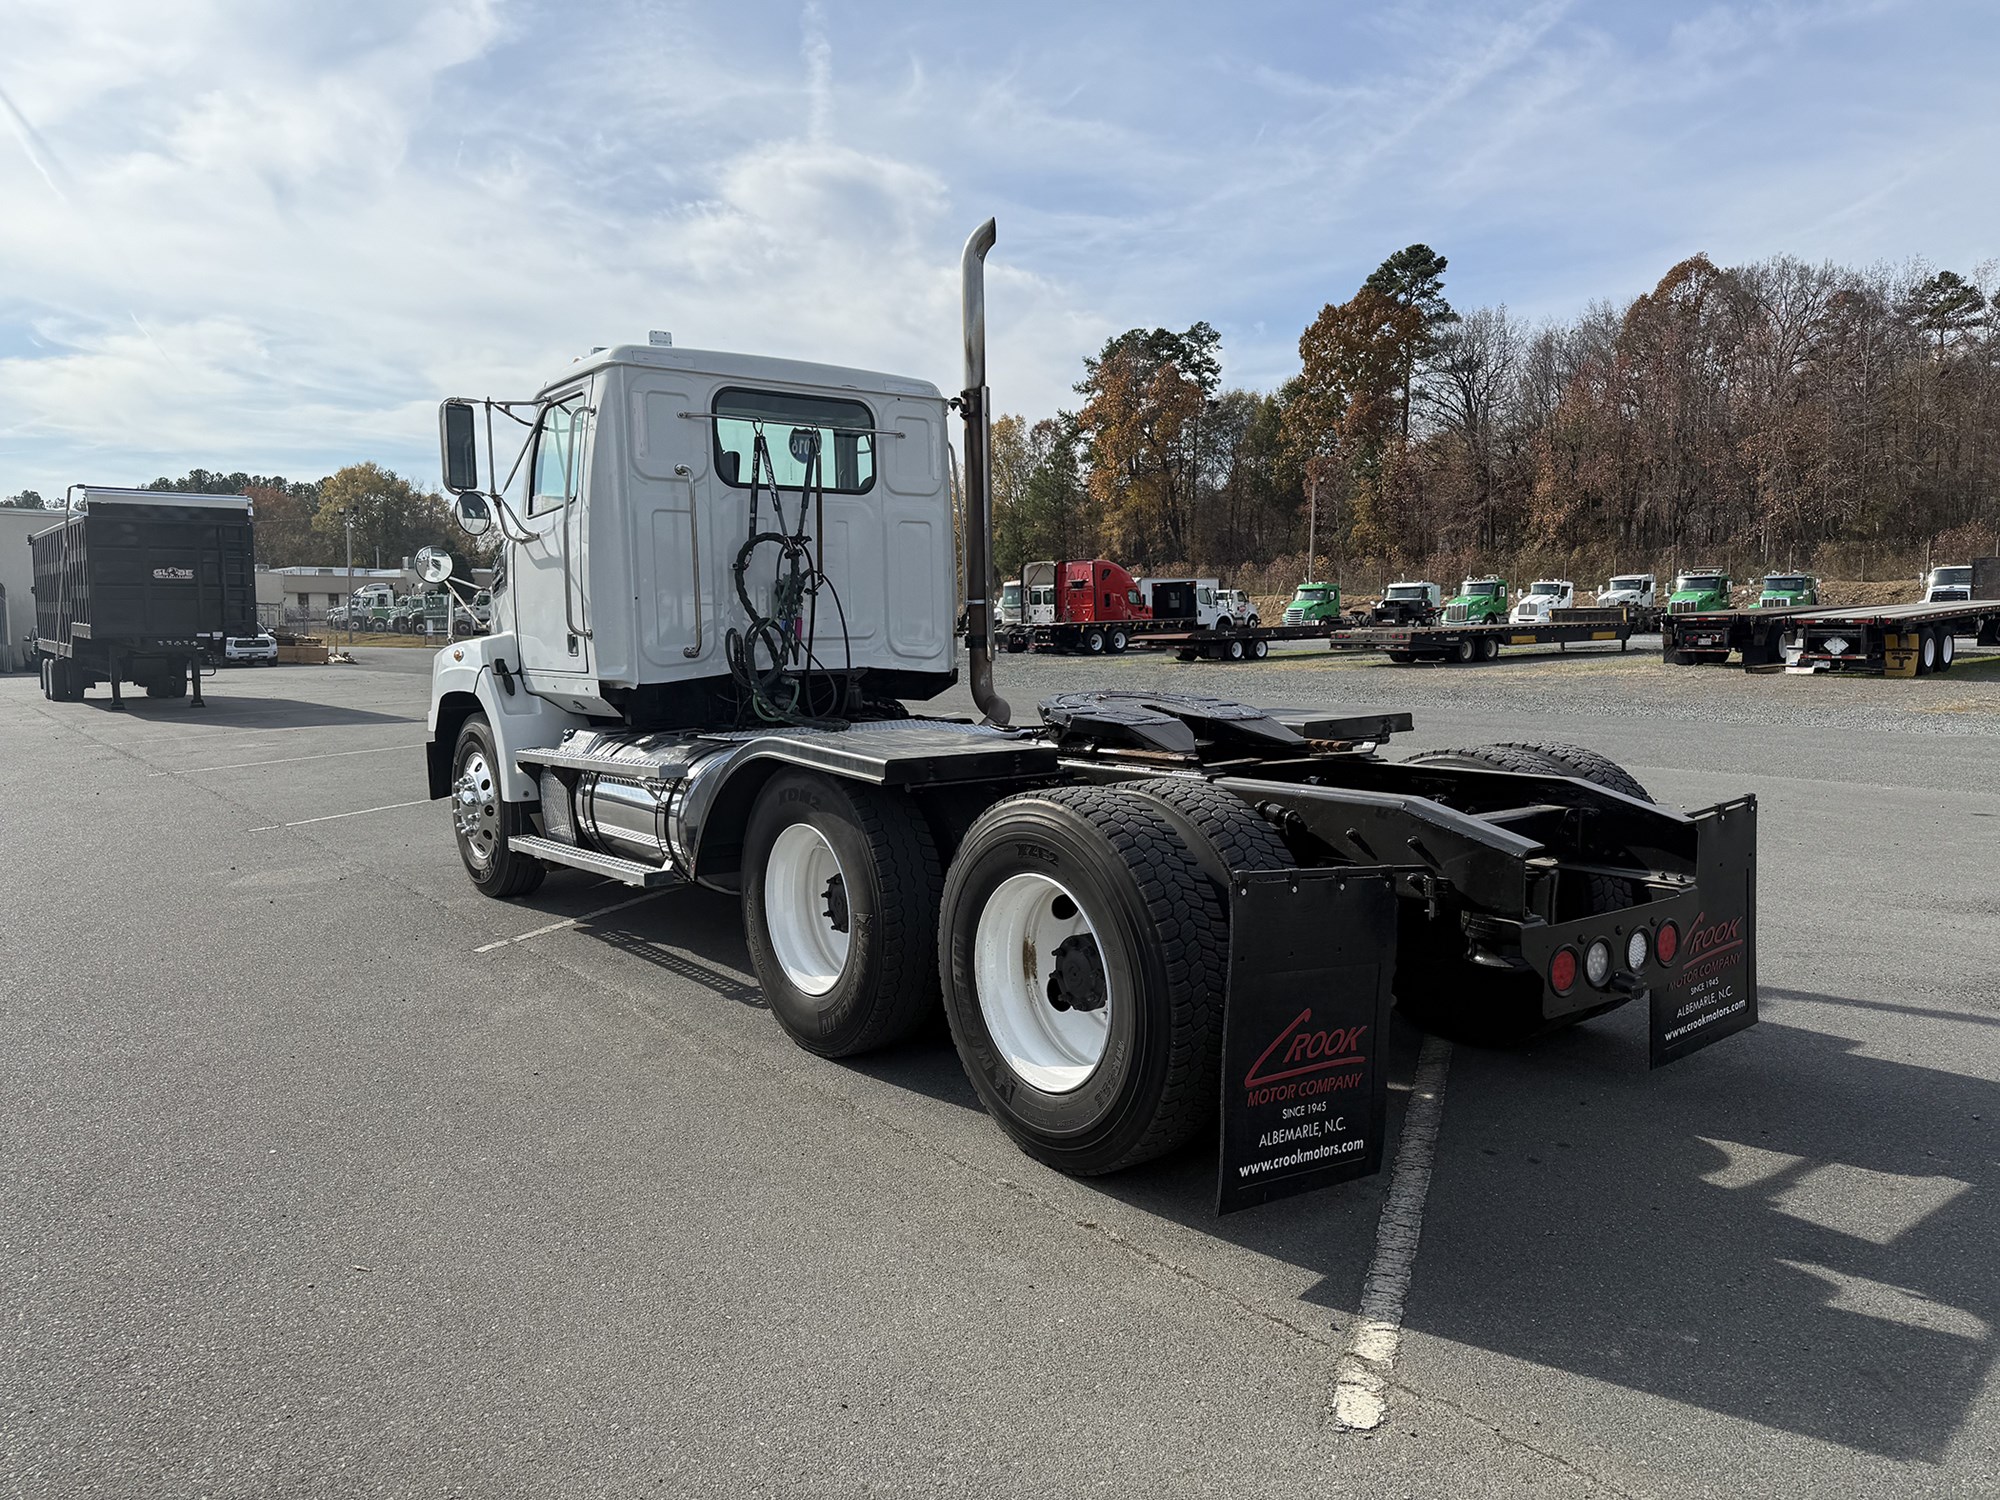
{"x":1084,"y":962}
{"x":840,"y":900}
{"x":485,"y":821}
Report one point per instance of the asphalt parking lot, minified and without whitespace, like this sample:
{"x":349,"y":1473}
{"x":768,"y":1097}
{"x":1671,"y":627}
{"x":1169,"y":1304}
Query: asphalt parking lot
{"x":322,"y":1174}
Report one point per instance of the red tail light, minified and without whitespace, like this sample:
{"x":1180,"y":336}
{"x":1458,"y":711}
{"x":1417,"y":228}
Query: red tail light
{"x":1667,"y":942}
{"x":1562,"y":971}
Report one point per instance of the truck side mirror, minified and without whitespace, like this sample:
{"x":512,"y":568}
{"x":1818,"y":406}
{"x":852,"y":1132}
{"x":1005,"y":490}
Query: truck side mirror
{"x":470,"y":510}
{"x":459,"y":435}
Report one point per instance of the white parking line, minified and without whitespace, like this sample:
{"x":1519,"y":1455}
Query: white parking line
{"x":1361,"y":1375}
{"x":328,"y":818}
{"x":287,"y":760}
{"x":602,"y":911}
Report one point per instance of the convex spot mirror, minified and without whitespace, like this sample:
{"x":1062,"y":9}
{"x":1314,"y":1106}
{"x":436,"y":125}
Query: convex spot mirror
{"x":434,"y":564}
{"x":459,"y":434}
{"x":474,"y":516}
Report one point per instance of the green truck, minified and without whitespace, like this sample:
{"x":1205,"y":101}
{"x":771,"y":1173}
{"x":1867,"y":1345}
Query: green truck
{"x":1785,"y":589}
{"x":1698,"y":591}
{"x":1479,"y":601}
{"x":1314,"y":604}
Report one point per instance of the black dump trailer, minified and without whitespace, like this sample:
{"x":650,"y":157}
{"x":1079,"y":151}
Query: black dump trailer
{"x":129,"y":584}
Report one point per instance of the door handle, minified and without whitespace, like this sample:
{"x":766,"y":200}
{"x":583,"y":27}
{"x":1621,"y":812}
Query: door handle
{"x":682,"y":471}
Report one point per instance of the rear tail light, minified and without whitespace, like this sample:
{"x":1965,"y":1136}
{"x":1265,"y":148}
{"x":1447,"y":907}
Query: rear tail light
{"x":1667,"y":943}
{"x":1562,"y":971}
{"x":1597,"y":964}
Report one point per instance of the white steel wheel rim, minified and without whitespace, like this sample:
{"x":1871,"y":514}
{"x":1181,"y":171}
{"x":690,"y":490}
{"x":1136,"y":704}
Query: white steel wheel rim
{"x":1946,"y":649}
{"x":798,"y":882}
{"x":475,"y":809}
{"x":1928,"y":647}
{"x":1023,"y":922}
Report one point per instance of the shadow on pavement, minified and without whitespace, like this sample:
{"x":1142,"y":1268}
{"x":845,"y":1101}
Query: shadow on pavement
{"x":1780,"y":1229}
{"x":221,"y":711}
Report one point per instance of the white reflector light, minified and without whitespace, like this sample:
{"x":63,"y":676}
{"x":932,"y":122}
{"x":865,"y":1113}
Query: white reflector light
{"x":1635,"y":951}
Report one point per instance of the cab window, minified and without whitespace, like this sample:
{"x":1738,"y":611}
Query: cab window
{"x":793,"y":426}
{"x":557,"y":470}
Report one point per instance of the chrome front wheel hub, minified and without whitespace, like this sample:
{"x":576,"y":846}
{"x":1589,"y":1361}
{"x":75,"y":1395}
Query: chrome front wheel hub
{"x":475,"y":809}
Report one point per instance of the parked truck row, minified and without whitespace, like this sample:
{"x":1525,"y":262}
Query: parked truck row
{"x":1789,"y":628}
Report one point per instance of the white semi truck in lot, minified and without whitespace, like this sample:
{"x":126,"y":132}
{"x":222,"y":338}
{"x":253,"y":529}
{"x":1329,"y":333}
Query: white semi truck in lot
{"x":722,"y":580}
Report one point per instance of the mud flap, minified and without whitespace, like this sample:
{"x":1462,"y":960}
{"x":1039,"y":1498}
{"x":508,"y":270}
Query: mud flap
{"x":1305,"y":1078}
{"x":1712,"y":992}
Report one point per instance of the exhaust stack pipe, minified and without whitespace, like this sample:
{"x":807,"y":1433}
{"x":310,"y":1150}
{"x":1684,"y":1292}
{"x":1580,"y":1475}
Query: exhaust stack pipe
{"x":974,"y":401}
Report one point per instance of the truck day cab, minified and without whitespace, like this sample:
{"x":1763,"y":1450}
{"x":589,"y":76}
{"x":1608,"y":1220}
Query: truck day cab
{"x":1699,"y":591}
{"x":1786,"y":590}
{"x":1479,"y":601}
{"x":1544,"y":596}
{"x":723,"y":579}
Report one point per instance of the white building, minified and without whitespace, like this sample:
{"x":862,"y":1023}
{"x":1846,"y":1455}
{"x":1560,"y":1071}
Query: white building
{"x":17,"y":582}
{"x":308,"y":593}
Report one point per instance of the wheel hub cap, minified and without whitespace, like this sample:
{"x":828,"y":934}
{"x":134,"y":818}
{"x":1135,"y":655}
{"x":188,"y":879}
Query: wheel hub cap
{"x":1078,"y":980}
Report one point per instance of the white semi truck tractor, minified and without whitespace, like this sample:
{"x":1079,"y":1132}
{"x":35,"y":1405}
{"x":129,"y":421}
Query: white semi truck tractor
{"x":727,"y":587}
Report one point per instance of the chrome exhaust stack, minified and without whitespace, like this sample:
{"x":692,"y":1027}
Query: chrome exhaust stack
{"x":974,"y":401}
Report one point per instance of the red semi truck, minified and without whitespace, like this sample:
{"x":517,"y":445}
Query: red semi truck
{"x":1092,"y":606}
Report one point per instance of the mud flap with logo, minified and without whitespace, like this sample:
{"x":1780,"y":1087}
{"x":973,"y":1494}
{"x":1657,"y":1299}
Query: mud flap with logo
{"x":1713,"y":989}
{"x":1305,"y":1080}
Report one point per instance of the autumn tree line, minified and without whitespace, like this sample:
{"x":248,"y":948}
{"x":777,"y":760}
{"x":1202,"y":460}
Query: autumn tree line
{"x":1774,"y":415}
{"x":304,"y":523}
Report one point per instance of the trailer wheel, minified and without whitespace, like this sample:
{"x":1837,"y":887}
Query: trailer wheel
{"x":840,"y":893}
{"x":1093,"y":643}
{"x":1947,"y":651}
{"x":1259,"y":649}
{"x":1926,"y":653}
{"x":1233,"y":649}
{"x":484,"y":820}
{"x":1117,"y":642}
{"x":1402,"y":658}
{"x":161,"y":687}
{"x":65,"y":681}
{"x":1084,"y":966}
{"x":1463,"y":650}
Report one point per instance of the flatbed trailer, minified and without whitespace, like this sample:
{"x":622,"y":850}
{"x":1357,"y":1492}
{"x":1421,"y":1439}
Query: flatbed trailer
{"x":1091,"y":637}
{"x":1711,"y":635}
{"x":1405,"y":644}
{"x":1895,"y":640}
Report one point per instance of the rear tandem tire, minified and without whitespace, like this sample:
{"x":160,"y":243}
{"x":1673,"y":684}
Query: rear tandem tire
{"x":847,"y":959}
{"x":484,"y":820}
{"x":1100,"y":895}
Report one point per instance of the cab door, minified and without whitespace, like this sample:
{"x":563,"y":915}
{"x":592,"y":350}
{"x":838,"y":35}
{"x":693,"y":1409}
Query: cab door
{"x":551,"y":609}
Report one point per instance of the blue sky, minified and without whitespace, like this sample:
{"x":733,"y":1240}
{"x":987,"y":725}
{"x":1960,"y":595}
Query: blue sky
{"x":270,"y":236}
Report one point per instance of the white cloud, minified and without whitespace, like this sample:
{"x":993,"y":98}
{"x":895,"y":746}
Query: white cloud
{"x":273,"y":235}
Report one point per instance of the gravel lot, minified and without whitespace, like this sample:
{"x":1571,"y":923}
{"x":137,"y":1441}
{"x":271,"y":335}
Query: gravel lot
{"x":321,"y":1174}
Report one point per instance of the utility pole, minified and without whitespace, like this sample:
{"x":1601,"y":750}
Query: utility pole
{"x":349,"y":612}
{"x":1312,"y":525}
